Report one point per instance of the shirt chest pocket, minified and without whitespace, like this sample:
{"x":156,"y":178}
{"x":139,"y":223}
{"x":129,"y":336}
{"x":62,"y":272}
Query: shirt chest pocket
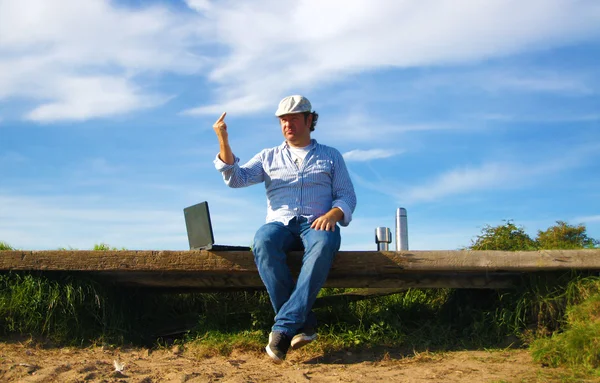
{"x":321,"y":167}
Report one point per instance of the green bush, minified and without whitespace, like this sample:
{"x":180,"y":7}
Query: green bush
{"x":507,"y":237}
{"x":510,"y":237}
{"x":578,"y":344}
{"x":565,"y":236}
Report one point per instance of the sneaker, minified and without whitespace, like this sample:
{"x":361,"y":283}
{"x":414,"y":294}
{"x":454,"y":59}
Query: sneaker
{"x":304,"y":337}
{"x":279,"y":343}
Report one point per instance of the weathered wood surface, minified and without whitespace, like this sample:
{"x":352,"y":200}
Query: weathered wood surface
{"x":346,"y":262}
{"x":185,"y":281}
{"x":205,"y":270}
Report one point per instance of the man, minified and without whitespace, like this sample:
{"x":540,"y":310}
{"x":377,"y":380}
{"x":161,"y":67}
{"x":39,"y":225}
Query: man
{"x":308,"y":191}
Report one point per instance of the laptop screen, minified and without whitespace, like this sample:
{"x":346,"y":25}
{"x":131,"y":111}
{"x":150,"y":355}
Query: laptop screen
{"x":199,"y":227}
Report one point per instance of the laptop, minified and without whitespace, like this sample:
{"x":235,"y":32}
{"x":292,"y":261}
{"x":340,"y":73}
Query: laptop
{"x":200,"y":232}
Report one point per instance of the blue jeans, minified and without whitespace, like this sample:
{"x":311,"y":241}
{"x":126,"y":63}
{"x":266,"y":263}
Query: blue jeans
{"x":293,"y":300}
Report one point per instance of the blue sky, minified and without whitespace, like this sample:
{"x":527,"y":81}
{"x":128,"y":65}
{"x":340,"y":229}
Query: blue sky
{"x":466,"y":113}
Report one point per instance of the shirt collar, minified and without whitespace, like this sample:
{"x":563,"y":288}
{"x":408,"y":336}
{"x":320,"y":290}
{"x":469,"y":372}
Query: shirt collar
{"x":312,"y":144}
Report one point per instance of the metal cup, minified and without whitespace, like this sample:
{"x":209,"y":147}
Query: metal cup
{"x":383,"y":238}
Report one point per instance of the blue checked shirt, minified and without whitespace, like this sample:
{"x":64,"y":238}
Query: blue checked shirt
{"x":320,"y":183}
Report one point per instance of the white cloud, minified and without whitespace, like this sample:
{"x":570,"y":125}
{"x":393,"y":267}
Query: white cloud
{"x":546,"y":118}
{"x":93,"y":167}
{"x":80,"y":221}
{"x":470,"y":179}
{"x":495,"y":175}
{"x":85,"y":98}
{"x":87,"y":59}
{"x":362,"y":127}
{"x":359,"y":155}
{"x":540,"y":82}
{"x":239,"y":105}
{"x":272,"y":49}
{"x":463,"y":180}
{"x":40,"y":223}
{"x":587,"y":219}
{"x":199,"y":5}
{"x":507,"y":79}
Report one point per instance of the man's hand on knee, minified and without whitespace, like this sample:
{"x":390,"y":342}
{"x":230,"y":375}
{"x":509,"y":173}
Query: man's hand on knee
{"x":328,"y":220}
{"x":324,"y":223}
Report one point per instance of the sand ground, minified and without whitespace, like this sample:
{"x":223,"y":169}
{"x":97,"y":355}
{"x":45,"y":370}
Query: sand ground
{"x":26,"y":361}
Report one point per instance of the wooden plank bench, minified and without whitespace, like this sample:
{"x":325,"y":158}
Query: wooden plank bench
{"x":235,"y":270}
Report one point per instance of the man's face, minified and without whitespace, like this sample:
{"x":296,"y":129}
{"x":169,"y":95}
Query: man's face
{"x":296,"y":128}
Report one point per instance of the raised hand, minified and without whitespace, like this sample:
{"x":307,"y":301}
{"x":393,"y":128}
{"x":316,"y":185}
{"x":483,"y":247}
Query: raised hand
{"x":225,"y":153}
{"x":220,"y":128}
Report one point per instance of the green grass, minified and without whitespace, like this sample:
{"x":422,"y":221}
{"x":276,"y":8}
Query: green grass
{"x":214,"y":343}
{"x":69,"y":310}
{"x":66,"y":308}
{"x":577,"y":345}
{"x":557,"y":315}
{"x":63,"y":309}
{"x":5,"y":246}
{"x":105,"y":247}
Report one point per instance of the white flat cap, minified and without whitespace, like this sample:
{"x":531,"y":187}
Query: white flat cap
{"x":293,"y":104}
